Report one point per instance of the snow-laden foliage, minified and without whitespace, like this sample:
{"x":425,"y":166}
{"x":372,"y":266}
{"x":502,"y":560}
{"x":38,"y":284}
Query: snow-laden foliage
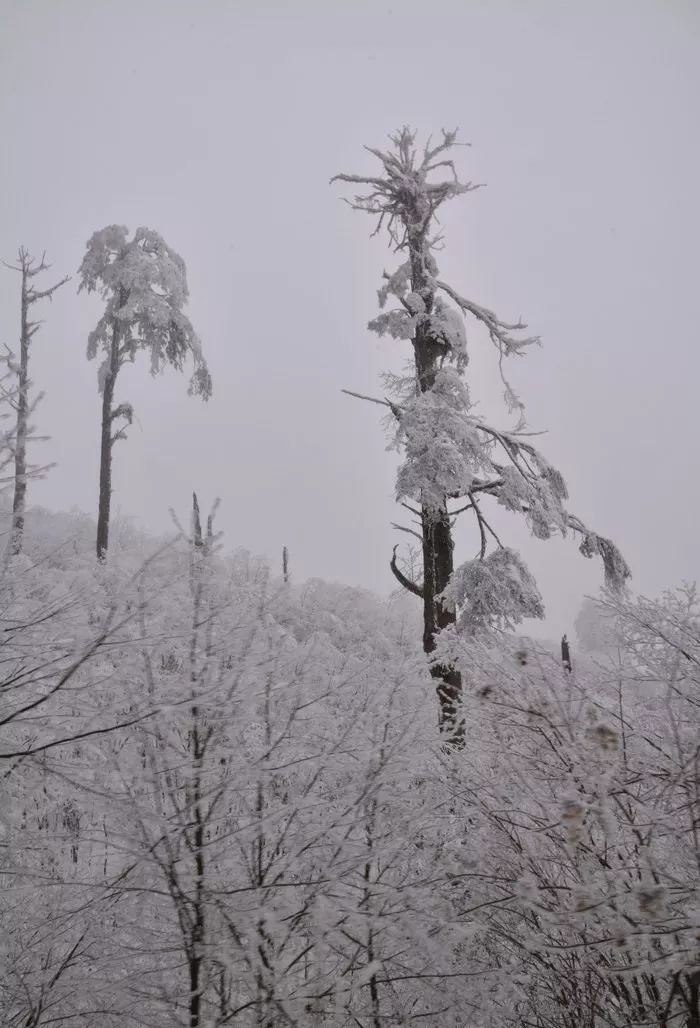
{"x":144,"y":284}
{"x":443,"y":452}
{"x":444,"y":323}
{"x":615,"y":565}
{"x":496,"y":592}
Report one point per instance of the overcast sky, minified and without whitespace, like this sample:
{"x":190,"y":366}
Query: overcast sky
{"x":219,"y":123}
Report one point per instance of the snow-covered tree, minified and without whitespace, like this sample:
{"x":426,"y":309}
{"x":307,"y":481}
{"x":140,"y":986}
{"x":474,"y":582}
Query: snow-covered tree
{"x":453,"y":460}
{"x":144,"y":283}
{"x":582,"y":800}
{"x":260,"y":852}
{"x":29,"y":268}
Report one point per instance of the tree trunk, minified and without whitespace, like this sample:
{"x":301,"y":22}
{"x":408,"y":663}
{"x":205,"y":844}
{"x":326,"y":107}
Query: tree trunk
{"x":196,"y":846}
{"x":438,"y":545}
{"x":195,"y":957}
{"x":693,"y":1020}
{"x":20,"y":494}
{"x":106,"y":448}
{"x":438,"y":565}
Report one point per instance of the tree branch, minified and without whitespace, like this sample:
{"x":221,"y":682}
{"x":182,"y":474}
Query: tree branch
{"x":394,"y":408}
{"x":402,"y":580}
{"x":33,"y":295}
{"x":402,"y":528}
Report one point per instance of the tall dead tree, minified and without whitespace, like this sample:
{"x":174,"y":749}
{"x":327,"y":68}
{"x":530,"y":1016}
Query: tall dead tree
{"x":452,"y":455}
{"x":28,"y":267}
{"x":406,"y":202}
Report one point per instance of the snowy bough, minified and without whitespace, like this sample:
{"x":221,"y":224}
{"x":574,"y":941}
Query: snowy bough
{"x":453,"y":460}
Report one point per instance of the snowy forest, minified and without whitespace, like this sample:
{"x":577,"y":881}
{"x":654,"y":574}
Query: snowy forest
{"x":236,"y":796}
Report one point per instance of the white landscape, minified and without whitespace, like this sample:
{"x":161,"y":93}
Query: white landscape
{"x":251,"y":775}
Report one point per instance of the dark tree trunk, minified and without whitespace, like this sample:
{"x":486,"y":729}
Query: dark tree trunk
{"x":20,"y":494}
{"x":195,"y":958}
{"x":438,"y":545}
{"x":438,"y":565}
{"x":693,"y":1000}
{"x":566,"y":654}
{"x":197,"y":847}
{"x":106,"y":443}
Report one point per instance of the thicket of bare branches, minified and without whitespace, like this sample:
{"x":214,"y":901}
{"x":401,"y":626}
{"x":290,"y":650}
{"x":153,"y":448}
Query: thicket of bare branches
{"x":281,"y":842}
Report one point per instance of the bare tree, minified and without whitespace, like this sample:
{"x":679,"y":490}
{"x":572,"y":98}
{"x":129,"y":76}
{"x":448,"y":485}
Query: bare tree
{"x":144,"y":282}
{"x":28,"y":268}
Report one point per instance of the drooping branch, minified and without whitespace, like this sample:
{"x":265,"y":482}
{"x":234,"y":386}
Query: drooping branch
{"x":616,"y":568}
{"x":407,"y":584}
{"x":500,"y":333}
{"x":484,"y":526}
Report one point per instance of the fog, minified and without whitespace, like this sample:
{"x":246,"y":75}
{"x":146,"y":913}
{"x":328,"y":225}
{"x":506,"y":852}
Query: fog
{"x":219,"y":124}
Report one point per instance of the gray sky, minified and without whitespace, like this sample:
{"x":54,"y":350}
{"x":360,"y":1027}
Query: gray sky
{"x":219,"y":125}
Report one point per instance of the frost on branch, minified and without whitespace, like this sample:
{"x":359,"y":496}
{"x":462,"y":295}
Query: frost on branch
{"x":443,"y":324}
{"x":396,"y":285}
{"x":538,"y":497}
{"x":404,"y":197}
{"x":616,"y":568}
{"x":615,"y":565}
{"x":144,"y":282}
{"x":442,"y":446}
{"x":496,"y":592}
{"x":397,"y":324}
{"x":446,"y":326}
